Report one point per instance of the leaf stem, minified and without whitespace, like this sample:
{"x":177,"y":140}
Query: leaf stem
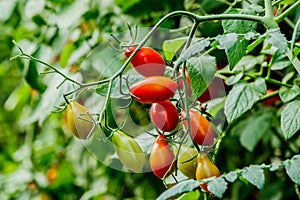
{"x":288,"y":11}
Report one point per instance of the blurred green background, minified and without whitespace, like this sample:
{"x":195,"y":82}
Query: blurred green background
{"x":39,"y":159}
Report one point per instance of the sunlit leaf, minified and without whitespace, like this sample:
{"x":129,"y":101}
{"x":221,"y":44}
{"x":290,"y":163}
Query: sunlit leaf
{"x":290,"y":119}
{"x":255,"y":175}
{"x":293,"y":168}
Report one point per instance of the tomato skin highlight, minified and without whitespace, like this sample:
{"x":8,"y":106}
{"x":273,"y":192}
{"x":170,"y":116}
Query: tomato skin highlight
{"x":79,"y":122}
{"x":164,"y":115}
{"x":146,"y":61}
{"x":161,"y":157}
{"x":205,"y":169}
{"x":153,"y":89}
{"x":200,"y":129}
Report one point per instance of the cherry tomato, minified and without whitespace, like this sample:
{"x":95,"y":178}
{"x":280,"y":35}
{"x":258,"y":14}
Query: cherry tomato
{"x":146,"y":61}
{"x":205,"y":169}
{"x":79,"y":121}
{"x":164,"y":115}
{"x":129,"y":151}
{"x":200,"y":129}
{"x":161,"y":158}
{"x":153,"y":89}
{"x":187,"y":161}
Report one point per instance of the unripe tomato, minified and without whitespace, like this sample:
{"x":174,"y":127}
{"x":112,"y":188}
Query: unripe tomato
{"x":200,"y":129}
{"x":153,"y":89}
{"x":164,"y":115}
{"x":161,"y":157}
{"x":79,"y":121}
{"x":205,"y":169}
{"x":187,"y":161}
{"x":129,"y":151}
{"x":146,"y":61}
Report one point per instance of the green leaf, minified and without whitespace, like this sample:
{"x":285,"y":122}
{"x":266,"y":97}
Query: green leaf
{"x":255,"y":175}
{"x":217,"y":186}
{"x":193,"y":50}
{"x":290,"y":119}
{"x":277,"y":39}
{"x":182,"y":187}
{"x":234,"y":79}
{"x":235,"y":47}
{"x":190,"y":195}
{"x":249,"y":137}
{"x":33,"y":77}
{"x":66,"y":54}
{"x":292,"y":168}
{"x":280,"y":65}
{"x":275,"y":166}
{"x":201,"y":71}
{"x":231,"y":176}
{"x":170,"y":47}
{"x":287,"y":94}
{"x":242,"y":97}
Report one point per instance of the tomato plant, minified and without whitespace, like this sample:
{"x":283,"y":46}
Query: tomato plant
{"x":187,"y":161}
{"x":146,"y":61}
{"x":164,"y":115}
{"x":162,"y":158}
{"x":153,"y":89}
{"x":200,"y":129}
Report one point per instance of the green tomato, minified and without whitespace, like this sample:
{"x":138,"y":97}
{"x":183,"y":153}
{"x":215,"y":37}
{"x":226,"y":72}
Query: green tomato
{"x":129,"y":151}
{"x":187,"y":161}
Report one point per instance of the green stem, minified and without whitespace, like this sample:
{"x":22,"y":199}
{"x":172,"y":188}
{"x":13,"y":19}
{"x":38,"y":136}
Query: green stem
{"x":277,"y":82}
{"x":269,"y":9}
{"x":288,"y":11}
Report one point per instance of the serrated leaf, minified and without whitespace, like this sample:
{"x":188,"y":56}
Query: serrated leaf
{"x":255,"y":175}
{"x":249,"y":137}
{"x":182,"y":187}
{"x":235,"y":47}
{"x":292,"y":168}
{"x":193,"y":50}
{"x":190,"y":195}
{"x":234,"y":79}
{"x":231,"y":176}
{"x":290,"y":119}
{"x":287,"y":94}
{"x":201,"y":72}
{"x":242,"y":97}
{"x":170,"y":47}
{"x":217,"y":186}
{"x":277,"y":39}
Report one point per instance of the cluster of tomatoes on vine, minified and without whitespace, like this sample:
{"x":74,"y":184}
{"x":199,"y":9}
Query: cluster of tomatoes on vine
{"x":167,"y":117}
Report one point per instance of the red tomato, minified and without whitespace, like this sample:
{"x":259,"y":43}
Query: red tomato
{"x":272,"y":100}
{"x":146,"y":61}
{"x":161,"y":157}
{"x":164,"y":115}
{"x":200,"y":129}
{"x":205,"y":169}
{"x":153,"y":89}
{"x":216,"y":89}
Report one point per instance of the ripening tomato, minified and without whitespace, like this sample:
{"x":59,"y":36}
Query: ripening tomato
{"x":187,"y":161}
{"x":161,"y":158}
{"x":205,"y":169}
{"x":129,"y":151}
{"x":164,"y":115}
{"x":79,"y":121}
{"x":272,"y":101}
{"x":146,"y":61}
{"x":200,"y":128}
{"x":153,"y":89}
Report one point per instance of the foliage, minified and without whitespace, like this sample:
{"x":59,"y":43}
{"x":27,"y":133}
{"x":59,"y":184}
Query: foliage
{"x":252,"y":47}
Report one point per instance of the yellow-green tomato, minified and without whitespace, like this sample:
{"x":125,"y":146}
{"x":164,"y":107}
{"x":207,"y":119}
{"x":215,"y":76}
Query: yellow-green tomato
{"x":79,"y":121}
{"x":187,"y":161}
{"x":129,"y":151}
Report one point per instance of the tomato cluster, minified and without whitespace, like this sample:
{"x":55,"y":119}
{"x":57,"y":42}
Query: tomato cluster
{"x":168,"y":115}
